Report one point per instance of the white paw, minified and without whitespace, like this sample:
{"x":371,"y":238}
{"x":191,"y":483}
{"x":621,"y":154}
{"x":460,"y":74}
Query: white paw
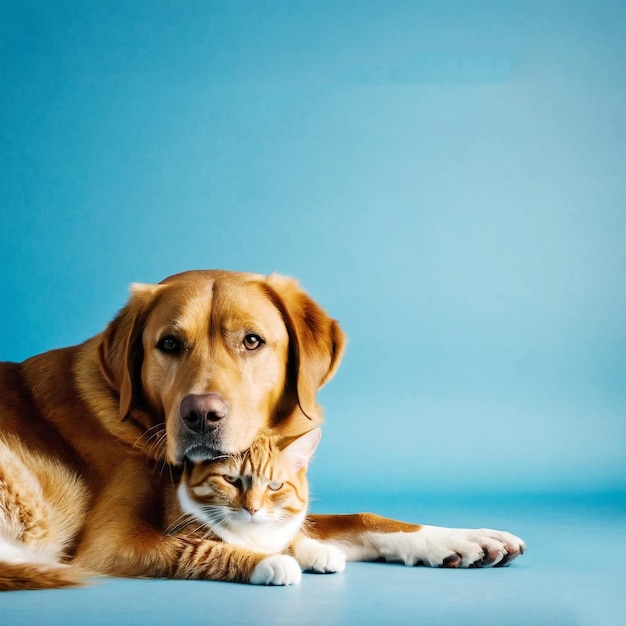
{"x":499,"y":547}
{"x":451,"y":547}
{"x":278,"y":569}
{"x":315,"y":556}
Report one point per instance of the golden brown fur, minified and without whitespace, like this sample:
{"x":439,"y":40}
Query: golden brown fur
{"x":109,"y":410}
{"x":181,"y":372}
{"x":42,"y":504}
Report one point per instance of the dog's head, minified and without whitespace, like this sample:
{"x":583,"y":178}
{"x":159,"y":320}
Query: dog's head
{"x":203,"y":360}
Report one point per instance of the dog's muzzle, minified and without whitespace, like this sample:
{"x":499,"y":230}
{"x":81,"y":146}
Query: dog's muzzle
{"x":201,"y":416}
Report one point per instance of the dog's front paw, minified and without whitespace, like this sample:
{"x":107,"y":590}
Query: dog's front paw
{"x":458,"y":547}
{"x":278,"y":569}
{"x":436,"y":546}
{"x":315,"y":556}
{"x":497,"y":549}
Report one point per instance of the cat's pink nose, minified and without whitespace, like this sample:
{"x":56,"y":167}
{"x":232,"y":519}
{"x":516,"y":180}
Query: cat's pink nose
{"x":251,"y":510}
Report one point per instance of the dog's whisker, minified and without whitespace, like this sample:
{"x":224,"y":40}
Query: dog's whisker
{"x":154,"y":445}
{"x":150,"y":433}
{"x":157,"y":440}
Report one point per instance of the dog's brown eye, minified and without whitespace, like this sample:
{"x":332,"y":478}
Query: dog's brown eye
{"x":252,"y":341}
{"x":170,"y":345}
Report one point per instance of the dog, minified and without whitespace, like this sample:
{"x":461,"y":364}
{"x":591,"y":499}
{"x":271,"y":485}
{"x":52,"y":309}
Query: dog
{"x":92,"y":437}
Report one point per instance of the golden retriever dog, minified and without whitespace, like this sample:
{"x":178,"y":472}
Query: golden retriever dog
{"x":92,"y":437}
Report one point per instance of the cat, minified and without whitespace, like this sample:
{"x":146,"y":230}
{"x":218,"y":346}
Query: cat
{"x":256,"y":502}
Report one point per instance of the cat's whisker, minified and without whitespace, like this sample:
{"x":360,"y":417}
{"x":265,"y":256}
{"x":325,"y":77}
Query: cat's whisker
{"x":181,"y":522}
{"x":192,"y":528}
{"x":283,"y":520}
{"x":217,"y":516}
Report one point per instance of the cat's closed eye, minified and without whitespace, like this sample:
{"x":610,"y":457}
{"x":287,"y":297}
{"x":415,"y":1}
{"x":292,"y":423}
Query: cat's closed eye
{"x":275,"y":486}
{"x":233,"y":480}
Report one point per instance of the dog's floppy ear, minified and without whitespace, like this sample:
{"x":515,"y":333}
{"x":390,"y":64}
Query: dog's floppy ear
{"x":121,"y":350}
{"x":316,"y":342}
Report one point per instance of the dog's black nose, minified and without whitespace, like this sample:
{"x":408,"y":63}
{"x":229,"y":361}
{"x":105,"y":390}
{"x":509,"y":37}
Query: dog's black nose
{"x":201,"y":412}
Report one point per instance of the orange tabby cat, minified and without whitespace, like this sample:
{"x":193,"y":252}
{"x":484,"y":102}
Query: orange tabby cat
{"x":256,"y":503}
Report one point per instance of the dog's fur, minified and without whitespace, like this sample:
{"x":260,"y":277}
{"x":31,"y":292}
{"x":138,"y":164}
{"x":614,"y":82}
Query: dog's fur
{"x":113,"y":416}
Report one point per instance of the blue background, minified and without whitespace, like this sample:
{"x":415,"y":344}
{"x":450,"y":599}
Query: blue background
{"x":446,"y":178}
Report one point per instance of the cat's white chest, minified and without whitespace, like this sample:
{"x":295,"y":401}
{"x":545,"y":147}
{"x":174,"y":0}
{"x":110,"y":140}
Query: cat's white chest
{"x":265,"y":537}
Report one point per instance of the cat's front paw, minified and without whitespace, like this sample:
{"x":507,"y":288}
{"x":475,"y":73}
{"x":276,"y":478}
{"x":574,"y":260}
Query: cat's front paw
{"x":278,"y":569}
{"x":315,"y":556}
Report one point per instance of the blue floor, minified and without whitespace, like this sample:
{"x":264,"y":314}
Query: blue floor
{"x":572,"y":574}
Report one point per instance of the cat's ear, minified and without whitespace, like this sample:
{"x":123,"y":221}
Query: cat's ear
{"x":300,"y":450}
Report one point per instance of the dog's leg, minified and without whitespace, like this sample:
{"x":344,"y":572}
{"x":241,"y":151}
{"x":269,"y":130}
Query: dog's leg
{"x":145,"y":552}
{"x":369,"y":537}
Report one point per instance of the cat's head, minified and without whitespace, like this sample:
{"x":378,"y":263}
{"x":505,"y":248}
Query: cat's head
{"x":258,"y":498}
